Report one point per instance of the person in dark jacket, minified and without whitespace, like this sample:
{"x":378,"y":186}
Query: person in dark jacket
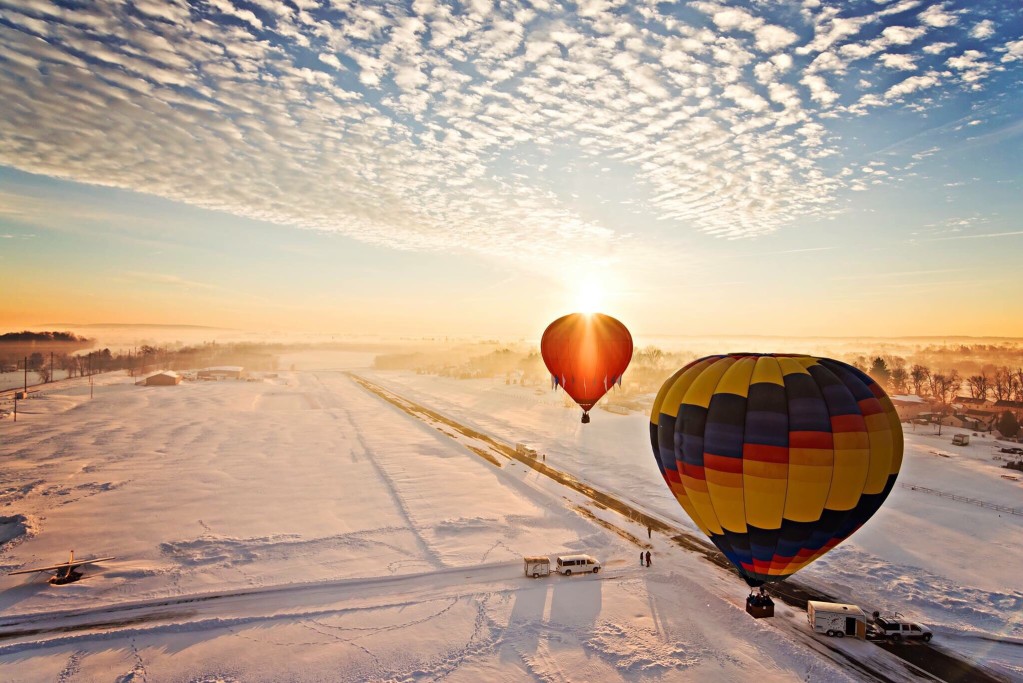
{"x":648,"y":558}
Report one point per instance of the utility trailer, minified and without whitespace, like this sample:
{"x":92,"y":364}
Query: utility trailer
{"x":836,"y":620}
{"x":537,"y":566}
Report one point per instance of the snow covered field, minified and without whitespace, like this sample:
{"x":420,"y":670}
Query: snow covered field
{"x":301,"y":528}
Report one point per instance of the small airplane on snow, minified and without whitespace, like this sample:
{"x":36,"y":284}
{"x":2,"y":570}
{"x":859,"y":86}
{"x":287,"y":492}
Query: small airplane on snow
{"x":66,"y":572}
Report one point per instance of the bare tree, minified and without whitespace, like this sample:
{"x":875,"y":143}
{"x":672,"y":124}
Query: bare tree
{"x":979,"y":385}
{"x":944,"y":388}
{"x":1001,"y":384}
{"x":918,"y":377}
{"x":44,"y":373}
{"x":1017,"y":387}
{"x":70,"y":364}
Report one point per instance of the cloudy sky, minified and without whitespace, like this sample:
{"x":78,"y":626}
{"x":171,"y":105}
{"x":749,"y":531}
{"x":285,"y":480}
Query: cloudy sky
{"x":480,"y":167}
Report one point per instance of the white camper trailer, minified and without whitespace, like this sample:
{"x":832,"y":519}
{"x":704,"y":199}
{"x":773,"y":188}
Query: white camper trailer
{"x":836,"y":619}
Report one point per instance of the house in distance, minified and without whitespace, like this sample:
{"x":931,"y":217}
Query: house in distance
{"x":163,"y":379}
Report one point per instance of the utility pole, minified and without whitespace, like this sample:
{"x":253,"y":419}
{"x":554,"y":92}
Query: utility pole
{"x":15,"y":407}
{"x":26,"y":374}
{"x":90,"y":375}
{"x":51,"y":366}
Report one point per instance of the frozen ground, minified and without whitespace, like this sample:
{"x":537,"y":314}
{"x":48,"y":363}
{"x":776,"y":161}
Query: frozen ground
{"x":952,"y":565}
{"x":303,"y":529}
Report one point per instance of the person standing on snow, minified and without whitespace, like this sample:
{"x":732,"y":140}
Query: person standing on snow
{"x":648,"y":558}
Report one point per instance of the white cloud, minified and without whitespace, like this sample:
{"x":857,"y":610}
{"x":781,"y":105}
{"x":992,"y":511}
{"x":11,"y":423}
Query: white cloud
{"x":771,"y":38}
{"x":1013,"y":51}
{"x":971,"y":66}
{"x":422,"y":127}
{"x":331,"y":59}
{"x":819,"y":89}
{"x":902,"y":35}
{"x":983,"y":29}
{"x":167,"y":279}
{"x":827,"y":61}
{"x":831,"y":29}
{"x":902,"y":62}
{"x":745,"y":98}
{"x":911,"y":85}
{"x":937,"y":48}
{"x":245,"y":15}
{"x":936,"y":16}
{"x":768,"y":37}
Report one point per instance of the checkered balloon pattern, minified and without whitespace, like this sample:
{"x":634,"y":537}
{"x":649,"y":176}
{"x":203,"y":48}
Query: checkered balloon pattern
{"x":777,"y":458}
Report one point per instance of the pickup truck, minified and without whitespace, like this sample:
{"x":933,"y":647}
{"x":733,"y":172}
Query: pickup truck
{"x":895,"y":628}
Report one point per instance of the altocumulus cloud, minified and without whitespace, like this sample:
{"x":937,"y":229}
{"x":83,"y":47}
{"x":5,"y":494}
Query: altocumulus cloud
{"x":419,"y":126}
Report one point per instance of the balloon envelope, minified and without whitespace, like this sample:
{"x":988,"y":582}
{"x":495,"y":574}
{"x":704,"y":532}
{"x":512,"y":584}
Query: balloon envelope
{"x":586,"y":354}
{"x":777,"y":458}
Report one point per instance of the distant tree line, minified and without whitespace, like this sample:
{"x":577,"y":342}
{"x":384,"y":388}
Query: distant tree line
{"x":943,"y":387}
{"x":990,"y":382}
{"x":651,"y":366}
{"x":61,"y":337}
{"x":143,"y":359}
{"x":16,"y":346}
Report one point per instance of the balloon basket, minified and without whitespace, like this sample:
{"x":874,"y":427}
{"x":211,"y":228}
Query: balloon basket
{"x":760,"y":606}
{"x":586,"y":418}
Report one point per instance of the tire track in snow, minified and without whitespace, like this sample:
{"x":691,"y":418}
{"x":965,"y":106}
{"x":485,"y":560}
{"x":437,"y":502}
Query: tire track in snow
{"x":340,"y":411}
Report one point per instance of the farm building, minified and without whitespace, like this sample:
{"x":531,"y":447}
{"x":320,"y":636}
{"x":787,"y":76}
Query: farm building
{"x":909,"y":406}
{"x":975,"y":406}
{"x":163,"y":379}
{"x":222,"y":372}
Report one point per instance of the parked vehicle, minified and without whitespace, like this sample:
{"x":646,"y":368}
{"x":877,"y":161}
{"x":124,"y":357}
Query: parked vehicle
{"x":537,"y":566}
{"x":894,"y":627}
{"x":577,"y":564}
{"x":836,"y":620}
{"x":1012,"y":450}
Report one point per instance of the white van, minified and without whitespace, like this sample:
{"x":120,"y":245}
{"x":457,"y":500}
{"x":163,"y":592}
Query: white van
{"x":577,"y":564}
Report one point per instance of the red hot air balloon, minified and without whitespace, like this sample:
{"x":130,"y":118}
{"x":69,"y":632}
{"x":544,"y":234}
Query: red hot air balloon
{"x":587,"y":353}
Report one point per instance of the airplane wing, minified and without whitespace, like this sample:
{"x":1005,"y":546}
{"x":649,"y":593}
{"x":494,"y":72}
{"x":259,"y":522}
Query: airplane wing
{"x":62,"y":565}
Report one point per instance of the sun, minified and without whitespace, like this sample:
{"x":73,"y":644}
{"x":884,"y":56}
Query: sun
{"x":589,"y":296}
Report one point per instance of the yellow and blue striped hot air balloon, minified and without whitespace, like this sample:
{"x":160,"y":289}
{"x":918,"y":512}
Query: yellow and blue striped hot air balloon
{"x":777,"y":458}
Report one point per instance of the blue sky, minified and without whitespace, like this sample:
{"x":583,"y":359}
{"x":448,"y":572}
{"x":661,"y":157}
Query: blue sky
{"x":479,"y":168}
